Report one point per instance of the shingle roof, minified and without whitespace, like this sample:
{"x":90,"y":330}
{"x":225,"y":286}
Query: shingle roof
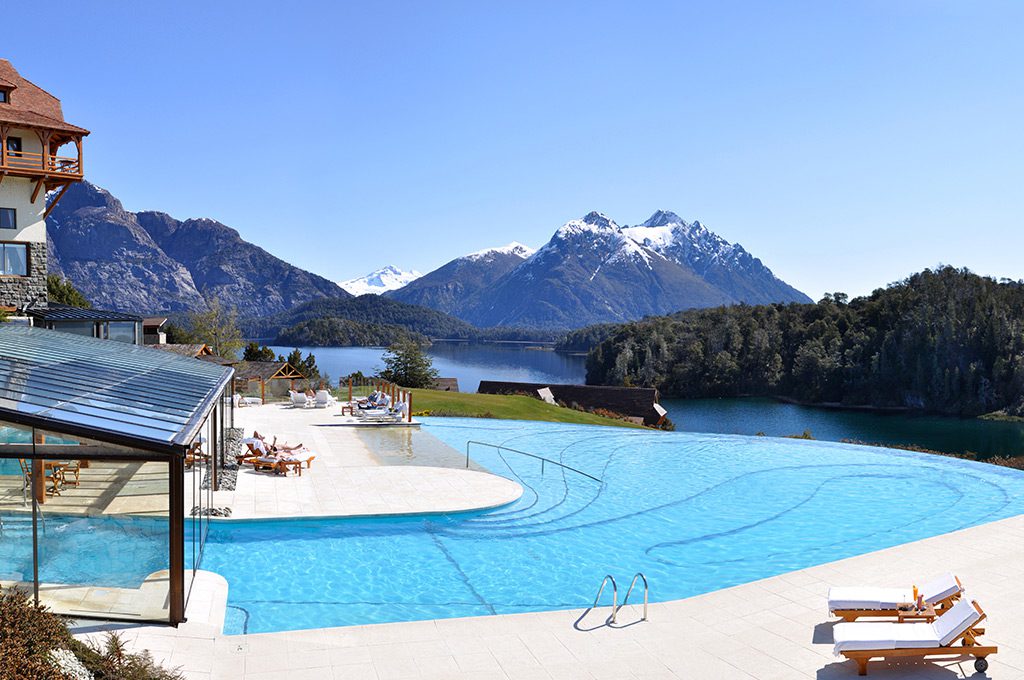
{"x":31,"y":105}
{"x":185,"y":350}
{"x":265,"y":370}
{"x":58,"y":312}
{"x":110,"y":391}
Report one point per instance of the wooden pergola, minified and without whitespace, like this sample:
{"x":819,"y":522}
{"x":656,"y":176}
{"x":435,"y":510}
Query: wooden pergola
{"x":265,"y":371}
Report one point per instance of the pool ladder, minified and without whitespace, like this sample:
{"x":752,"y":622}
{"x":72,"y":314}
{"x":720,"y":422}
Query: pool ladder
{"x":615,"y":594}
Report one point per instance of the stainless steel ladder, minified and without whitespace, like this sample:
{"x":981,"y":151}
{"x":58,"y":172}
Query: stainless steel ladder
{"x":615,"y":596}
{"x":637,"y":575}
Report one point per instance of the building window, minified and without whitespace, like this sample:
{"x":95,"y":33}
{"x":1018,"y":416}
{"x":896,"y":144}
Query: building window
{"x":15,"y":259}
{"x":8,"y":218}
{"x":14,"y":146}
{"x":3,"y":97}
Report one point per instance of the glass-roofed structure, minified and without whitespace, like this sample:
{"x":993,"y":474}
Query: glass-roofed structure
{"x":109,"y":456}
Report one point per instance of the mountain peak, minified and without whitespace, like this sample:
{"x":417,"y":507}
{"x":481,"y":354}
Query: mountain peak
{"x":597,"y":219}
{"x":513,"y":248}
{"x":380,"y":281}
{"x":663,"y":218}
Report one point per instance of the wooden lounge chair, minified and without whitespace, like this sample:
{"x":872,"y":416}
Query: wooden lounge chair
{"x":296,"y":465}
{"x":249,"y":454}
{"x":863,"y":641}
{"x":851,"y":603}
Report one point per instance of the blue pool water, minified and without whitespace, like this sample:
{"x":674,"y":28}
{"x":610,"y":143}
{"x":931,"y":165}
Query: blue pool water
{"x":109,"y":551}
{"x":694,"y":512}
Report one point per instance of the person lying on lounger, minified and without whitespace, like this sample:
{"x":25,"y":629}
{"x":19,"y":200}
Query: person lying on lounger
{"x":273,"y":446}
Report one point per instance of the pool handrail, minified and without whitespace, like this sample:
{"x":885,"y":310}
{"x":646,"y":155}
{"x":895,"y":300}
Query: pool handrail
{"x":637,"y":575}
{"x":542,"y":459}
{"x":615,"y":596}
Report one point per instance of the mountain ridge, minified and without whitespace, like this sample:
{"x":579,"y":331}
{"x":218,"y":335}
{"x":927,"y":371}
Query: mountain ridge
{"x":148,"y":262}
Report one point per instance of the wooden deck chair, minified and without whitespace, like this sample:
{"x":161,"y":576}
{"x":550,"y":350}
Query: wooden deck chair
{"x":851,"y":603}
{"x":250,"y":452}
{"x":863,"y":641}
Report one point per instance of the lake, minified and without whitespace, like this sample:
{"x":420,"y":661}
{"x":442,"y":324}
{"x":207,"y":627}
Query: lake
{"x":471,"y":363}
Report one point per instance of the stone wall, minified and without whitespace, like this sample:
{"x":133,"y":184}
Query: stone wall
{"x":635,"y":402}
{"x":18,"y":291}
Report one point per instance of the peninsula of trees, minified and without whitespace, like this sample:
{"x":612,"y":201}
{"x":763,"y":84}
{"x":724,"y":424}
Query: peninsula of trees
{"x":944,"y":340}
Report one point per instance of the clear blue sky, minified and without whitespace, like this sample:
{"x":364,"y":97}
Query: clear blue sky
{"x":847,"y":144}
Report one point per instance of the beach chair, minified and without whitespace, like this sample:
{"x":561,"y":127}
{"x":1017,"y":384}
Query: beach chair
{"x":254,"y":449}
{"x":323,"y":399}
{"x":299,"y":399}
{"x":394,"y":415}
{"x":853,"y":602}
{"x":863,"y":641}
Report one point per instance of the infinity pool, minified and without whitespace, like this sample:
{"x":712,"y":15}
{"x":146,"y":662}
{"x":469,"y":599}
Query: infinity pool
{"x":694,"y":512}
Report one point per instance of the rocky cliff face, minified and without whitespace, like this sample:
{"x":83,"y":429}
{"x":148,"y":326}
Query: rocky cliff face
{"x":150,"y":262}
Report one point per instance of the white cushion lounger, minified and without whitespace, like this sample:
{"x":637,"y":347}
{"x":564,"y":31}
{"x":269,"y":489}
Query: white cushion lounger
{"x":851,"y":602}
{"x":864,"y":641}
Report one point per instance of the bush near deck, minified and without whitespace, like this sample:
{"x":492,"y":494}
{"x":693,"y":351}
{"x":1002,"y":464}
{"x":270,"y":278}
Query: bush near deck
{"x":502,"y":407}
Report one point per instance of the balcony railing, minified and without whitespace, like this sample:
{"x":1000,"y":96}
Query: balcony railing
{"x":31,"y":163}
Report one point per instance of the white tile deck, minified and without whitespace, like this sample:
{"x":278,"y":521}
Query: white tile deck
{"x":772,"y":629}
{"x":345,"y":479}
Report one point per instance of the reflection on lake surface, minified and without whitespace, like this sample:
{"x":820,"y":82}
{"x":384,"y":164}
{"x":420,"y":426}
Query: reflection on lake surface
{"x":776,"y":419}
{"x":471,"y":363}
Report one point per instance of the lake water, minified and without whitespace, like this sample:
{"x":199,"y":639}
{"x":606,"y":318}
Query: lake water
{"x":473,"y":363}
{"x":469,"y":363}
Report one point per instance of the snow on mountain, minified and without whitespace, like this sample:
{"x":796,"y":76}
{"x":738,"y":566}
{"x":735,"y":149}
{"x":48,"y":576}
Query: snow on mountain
{"x":514,"y":248}
{"x":380,"y":281}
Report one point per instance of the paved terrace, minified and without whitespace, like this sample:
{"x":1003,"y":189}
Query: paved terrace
{"x":346,"y":479}
{"x":774,"y":629}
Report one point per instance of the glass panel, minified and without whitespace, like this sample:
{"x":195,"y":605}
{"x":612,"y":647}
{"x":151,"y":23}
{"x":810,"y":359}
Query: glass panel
{"x":87,"y":328}
{"x":105,"y":531}
{"x":14,"y":143}
{"x":15,"y":259}
{"x":122,"y":331}
{"x":127,"y":389}
{"x":15,"y":508}
{"x":8,"y":218}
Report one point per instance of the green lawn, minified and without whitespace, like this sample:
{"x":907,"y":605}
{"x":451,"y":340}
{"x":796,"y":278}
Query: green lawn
{"x":465,"y":405}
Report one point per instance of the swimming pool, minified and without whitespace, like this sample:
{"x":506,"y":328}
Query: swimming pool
{"x":694,"y":512}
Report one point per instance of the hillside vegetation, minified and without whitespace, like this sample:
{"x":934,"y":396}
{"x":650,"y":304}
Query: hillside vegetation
{"x":947,"y":341}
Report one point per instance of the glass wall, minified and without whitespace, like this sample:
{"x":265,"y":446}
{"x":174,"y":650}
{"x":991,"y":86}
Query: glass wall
{"x":99,"y":518}
{"x":203,"y":465}
{"x":16,"y":565}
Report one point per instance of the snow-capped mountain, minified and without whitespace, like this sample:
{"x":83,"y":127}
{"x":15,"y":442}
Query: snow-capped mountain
{"x":514,"y":248}
{"x":380,"y":281}
{"x":450,"y":287}
{"x":595,"y":271}
{"x":590,"y":271}
{"x":725,"y":265}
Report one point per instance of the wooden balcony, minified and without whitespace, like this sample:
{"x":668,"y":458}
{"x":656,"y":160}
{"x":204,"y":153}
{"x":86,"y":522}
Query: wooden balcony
{"x":37,"y":166}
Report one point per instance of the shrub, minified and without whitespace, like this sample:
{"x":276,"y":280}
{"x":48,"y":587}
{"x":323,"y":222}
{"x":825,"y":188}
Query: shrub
{"x":35,"y":644}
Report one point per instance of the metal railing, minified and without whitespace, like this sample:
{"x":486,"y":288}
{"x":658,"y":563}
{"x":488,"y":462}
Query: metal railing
{"x":542,"y":459}
{"x":615,"y":596}
{"x":639,"y":575}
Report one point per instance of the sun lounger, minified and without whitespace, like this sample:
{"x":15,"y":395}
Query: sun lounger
{"x":323,"y":399}
{"x":853,"y":602}
{"x":863,"y":641}
{"x":299,"y":400}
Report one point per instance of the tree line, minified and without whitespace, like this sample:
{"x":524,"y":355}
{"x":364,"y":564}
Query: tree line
{"x":943,"y":340}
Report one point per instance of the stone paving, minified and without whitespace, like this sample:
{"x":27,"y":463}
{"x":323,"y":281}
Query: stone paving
{"x":345,"y":479}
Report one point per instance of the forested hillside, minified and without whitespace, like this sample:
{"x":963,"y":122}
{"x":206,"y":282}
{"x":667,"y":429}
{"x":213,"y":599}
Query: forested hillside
{"x":946,"y":340}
